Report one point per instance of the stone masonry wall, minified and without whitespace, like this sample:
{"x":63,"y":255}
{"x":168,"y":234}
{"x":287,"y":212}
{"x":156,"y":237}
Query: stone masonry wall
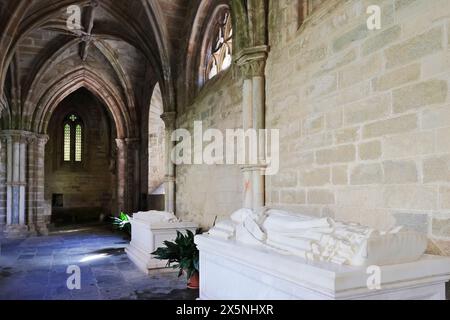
{"x":206,"y":191}
{"x":364,"y":115}
{"x":156,"y":151}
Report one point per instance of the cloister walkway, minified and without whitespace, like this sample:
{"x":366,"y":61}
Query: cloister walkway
{"x":36,"y":268}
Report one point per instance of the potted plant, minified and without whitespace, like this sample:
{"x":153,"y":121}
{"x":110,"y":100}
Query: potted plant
{"x":123,"y":223}
{"x":182,"y":254}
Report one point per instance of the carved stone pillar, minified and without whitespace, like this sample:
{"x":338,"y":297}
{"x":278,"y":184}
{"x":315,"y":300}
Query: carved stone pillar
{"x":15,"y":142}
{"x":252,"y":62}
{"x":127,"y":166}
{"x":247,"y":118}
{"x":121,"y":167}
{"x":169,"y":119}
{"x":38,"y":214}
{"x":3,"y":144}
{"x":133,"y":158}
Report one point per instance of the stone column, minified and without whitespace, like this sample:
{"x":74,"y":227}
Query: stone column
{"x":127,"y":166}
{"x":247,"y":123}
{"x":39,"y":211}
{"x":3,"y":144}
{"x":16,"y":173}
{"x":133,"y":158}
{"x":252,"y":62}
{"x":121,"y":167}
{"x":169,"y":119}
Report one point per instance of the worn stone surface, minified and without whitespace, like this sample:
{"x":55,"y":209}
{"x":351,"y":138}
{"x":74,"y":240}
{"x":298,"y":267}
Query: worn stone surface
{"x":443,"y":140}
{"x":358,"y":33}
{"x":156,"y":147}
{"x":365,"y":69}
{"x":381,"y":40}
{"x":372,"y":108}
{"x":386,"y":134}
{"x":347,"y":135}
{"x":420,"y":95}
{"x":340,"y":175}
{"x":398,"y":172}
{"x":316,"y":177}
{"x":320,"y":197}
{"x":441,"y":226}
{"x":205,"y":192}
{"x":412,"y":144}
{"x":292,"y":196}
{"x":415,"y":48}
{"x":444,"y":197}
{"x":411,"y":197}
{"x":367,"y":174}
{"x":390,"y":126}
{"x":336,"y":155}
{"x":370,"y":150}
{"x":397,"y":77}
{"x":436,"y":169}
{"x":418,"y":222}
{"x":35,"y":269}
{"x":437,"y":117}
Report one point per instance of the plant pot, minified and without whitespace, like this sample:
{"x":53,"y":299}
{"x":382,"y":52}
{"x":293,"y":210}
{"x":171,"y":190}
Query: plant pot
{"x":194,"y":281}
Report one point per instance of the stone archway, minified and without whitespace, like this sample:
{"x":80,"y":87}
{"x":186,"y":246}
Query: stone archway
{"x":126,"y":146}
{"x":80,"y":173}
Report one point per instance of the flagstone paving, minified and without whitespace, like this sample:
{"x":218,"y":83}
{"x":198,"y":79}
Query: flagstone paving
{"x":36,"y":269}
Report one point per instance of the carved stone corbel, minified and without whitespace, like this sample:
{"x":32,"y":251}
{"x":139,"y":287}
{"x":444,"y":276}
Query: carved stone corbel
{"x":252,"y":61}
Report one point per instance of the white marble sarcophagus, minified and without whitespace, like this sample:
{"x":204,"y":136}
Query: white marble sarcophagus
{"x":277,"y":255}
{"x":149,"y":230}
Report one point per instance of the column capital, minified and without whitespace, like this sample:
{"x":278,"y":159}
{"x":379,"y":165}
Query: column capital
{"x":169,"y":119}
{"x":14,"y":134}
{"x":23,"y":136}
{"x":40,"y":139}
{"x":252,"y":61}
{"x":43,"y":139}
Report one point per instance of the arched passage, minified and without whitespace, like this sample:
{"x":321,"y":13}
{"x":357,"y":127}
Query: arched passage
{"x":118,"y":162}
{"x":80,"y":175}
{"x":71,"y":82}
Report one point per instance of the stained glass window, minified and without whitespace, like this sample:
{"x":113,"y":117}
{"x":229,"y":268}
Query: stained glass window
{"x":73,"y":139}
{"x":78,"y":144}
{"x":67,"y":143}
{"x":219,"y":57}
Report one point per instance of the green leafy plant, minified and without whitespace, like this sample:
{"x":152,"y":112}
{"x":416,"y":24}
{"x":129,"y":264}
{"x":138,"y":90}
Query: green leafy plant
{"x":181,"y":254}
{"x":122,"y":223}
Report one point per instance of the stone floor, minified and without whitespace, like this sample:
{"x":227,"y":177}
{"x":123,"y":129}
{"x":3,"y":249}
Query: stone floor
{"x":36,"y":269}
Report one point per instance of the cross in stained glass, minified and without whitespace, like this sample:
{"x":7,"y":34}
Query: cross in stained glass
{"x":73,"y":118}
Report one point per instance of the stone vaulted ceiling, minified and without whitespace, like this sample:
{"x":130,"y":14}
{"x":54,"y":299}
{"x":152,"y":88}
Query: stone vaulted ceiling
{"x":125,"y":46}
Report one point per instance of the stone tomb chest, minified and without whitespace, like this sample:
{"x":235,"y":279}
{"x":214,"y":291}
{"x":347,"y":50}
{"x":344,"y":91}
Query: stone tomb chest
{"x":149,"y":230}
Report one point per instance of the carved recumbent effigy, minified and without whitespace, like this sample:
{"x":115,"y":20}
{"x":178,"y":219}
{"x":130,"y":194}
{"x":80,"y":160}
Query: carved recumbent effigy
{"x":274,"y":254}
